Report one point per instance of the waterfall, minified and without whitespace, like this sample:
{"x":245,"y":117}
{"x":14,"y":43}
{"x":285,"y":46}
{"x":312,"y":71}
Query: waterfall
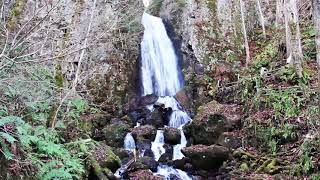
{"x":129,"y":143}
{"x":157,"y":145}
{"x":160,"y":76}
{"x":159,"y":68}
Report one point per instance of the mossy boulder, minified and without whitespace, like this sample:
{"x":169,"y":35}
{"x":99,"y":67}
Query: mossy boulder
{"x":172,"y":135}
{"x":144,"y":163}
{"x":143,"y":174}
{"x":114,"y":134}
{"x":102,"y":157}
{"x":206,"y":157}
{"x":144,"y":132}
{"x":211,"y":121}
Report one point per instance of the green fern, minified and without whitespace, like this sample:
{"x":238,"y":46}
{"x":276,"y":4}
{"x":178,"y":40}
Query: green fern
{"x":5,"y":137}
{"x":53,"y":160}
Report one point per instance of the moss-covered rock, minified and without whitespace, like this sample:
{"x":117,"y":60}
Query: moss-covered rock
{"x":143,"y":175}
{"x":103,"y":162}
{"x":211,"y":121}
{"x":172,"y":135}
{"x":114,"y":134}
{"x":144,"y":132}
{"x":144,"y":163}
{"x":206,"y":157}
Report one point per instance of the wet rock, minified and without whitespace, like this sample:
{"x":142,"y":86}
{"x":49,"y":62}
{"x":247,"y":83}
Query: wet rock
{"x":148,"y":100}
{"x":148,"y":153}
{"x":206,"y":157}
{"x":143,"y":144}
{"x":229,"y":140}
{"x":140,"y":115}
{"x":211,"y":121}
{"x":144,"y":163}
{"x":180,"y":163}
{"x":156,"y":118}
{"x":183,"y":99}
{"x":144,"y":147}
{"x":143,"y":174}
{"x":144,"y":132}
{"x":172,"y":136}
{"x":114,"y":134}
{"x":165,"y":158}
{"x":136,"y":103}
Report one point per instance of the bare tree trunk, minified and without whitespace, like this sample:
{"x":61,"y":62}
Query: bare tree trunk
{"x":288,"y":31}
{"x":244,"y":33}
{"x":316,"y":18}
{"x":293,"y":35}
{"x":279,"y":13}
{"x":261,"y":18}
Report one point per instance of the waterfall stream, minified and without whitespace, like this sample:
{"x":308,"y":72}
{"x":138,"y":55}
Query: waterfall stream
{"x":160,"y":76}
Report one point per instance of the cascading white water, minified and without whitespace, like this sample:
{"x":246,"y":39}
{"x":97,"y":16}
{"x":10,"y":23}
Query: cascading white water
{"x":166,"y":171}
{"x":129,"y":143}
{"x":160,"y":76}
{"x":159,"y":62}
{"x":157,"y":146}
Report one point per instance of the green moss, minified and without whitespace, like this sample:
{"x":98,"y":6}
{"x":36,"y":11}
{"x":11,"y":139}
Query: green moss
{"x":111,"y":157}
{"x":59,"y":77}
{"x":15,"y":13}
{"x":154,"y":7}
{"x":211,"y":4}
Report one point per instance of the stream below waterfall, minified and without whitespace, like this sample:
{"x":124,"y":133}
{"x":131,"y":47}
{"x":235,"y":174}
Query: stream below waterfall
{"x":161,"y":76}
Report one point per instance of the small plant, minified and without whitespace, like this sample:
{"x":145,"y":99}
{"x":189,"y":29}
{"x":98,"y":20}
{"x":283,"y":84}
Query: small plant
{"x":7,"y":136}
{"x":289,"y":74}
{"x":269,"y":53}
{"x":52,"y":159}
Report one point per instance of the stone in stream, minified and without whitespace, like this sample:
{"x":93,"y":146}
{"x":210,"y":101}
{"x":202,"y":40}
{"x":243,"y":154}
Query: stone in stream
{"x":148,"y":100}
{"x":206,"y":157}
{"x":172,"y":135}
{"x":144,"y":132}
{"x":136,"y":103}
{"x":144,"y":163}
{"x":183,"y":99}
{"x":143,"y":174}
{"x":156,"y":118}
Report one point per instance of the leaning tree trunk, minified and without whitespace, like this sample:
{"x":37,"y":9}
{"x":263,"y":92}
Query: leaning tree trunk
{"x":316,"y":18}
{"x":244,"y":31}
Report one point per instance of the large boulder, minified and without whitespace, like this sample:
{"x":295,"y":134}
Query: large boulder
{"x":156,"y":118}
{"x":143,"y":174}
{"x":144,"y":132}
{"x":148,"y":100}
{"x":212,"y":120}
{"x":183,"y":99}
{"x":103,"y":157}
{"x":172,"y":135}
{"x":144,"y":163}
{"x":206,"y":157}
{"x":114,"y":134}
